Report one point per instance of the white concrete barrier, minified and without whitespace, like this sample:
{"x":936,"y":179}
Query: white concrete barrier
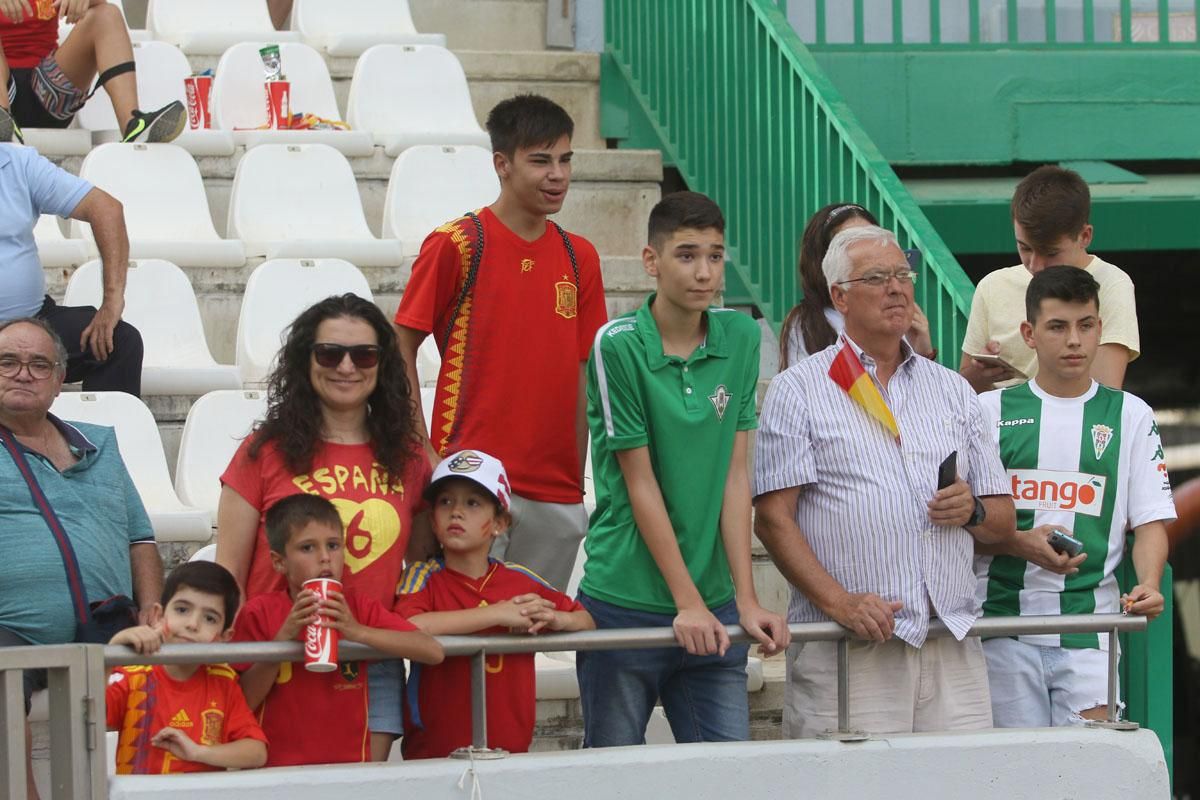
{"x":988,"y":765}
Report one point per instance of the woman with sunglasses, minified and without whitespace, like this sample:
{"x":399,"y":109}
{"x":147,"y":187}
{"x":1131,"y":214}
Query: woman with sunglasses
{"x":814,"y":323}
{"x":338,"y":425}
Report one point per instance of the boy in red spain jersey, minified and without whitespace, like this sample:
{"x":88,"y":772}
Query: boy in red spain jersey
{"x":513,"y":302}
{"x":184,"y":717}
{"x":317,"y":717}
{"x":465,"y":591}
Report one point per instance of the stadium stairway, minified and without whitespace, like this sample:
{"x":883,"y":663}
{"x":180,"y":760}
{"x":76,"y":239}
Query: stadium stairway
{"x":500,"y":44}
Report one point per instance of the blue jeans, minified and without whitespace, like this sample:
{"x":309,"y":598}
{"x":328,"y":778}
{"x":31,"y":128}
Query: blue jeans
{"x":704,"y":697}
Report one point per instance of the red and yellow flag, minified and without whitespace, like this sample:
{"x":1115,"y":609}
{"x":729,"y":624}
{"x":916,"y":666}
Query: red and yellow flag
{"x":847,"y":372}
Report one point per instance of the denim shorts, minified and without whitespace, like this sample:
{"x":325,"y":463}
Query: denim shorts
{"x":704,"y":697}
{"x":1038,"y":687}
{"x":385,"y":687}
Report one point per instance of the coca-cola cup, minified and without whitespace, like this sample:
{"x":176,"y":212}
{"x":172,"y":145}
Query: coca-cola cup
{"x":279,"y":104}
{"x":320,"y":642}
{"x":198,"y":88}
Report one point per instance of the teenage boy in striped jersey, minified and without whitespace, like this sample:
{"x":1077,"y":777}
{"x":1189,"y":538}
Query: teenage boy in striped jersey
{"x":1085,"y":460}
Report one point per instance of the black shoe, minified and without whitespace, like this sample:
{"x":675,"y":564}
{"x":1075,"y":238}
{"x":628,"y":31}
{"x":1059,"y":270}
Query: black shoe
{"x":9,"y":130}
{"x":162,"y":125}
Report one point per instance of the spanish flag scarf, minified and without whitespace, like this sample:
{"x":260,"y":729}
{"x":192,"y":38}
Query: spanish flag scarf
{"x":847,"y":372}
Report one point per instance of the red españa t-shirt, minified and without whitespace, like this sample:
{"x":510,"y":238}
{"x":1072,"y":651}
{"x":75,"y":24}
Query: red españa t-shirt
{"x":510,"y":376}
{"x":314,"y":717}
{"x":27,"y":42}
{"x":209,"y":707}
{"x":376,"y":510}
{"x":437,"y":712}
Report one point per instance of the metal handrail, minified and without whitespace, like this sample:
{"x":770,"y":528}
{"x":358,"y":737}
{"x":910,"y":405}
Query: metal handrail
{"x":1123,"y":24}
{"x":746,"y":114}
{"x":478,"y":648}
{"x":77,"y":679}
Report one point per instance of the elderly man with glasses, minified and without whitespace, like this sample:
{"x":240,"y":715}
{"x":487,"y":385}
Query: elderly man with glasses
{"x":81,"y":486}
{"x":874,"y":475}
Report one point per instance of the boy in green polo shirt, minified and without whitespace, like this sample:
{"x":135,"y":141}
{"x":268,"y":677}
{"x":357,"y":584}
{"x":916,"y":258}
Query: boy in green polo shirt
{"x":671,"y":391}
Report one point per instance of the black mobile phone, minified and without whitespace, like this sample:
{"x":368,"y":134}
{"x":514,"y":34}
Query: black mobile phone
{"x":948,"y":471}
{"x":1063,"y":542}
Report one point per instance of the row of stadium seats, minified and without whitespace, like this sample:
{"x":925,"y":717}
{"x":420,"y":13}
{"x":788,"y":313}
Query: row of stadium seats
{"x":400,"y":96}
{"x":334,"y":26}
{"x":298,"y":201}
{"x":161,"y":304}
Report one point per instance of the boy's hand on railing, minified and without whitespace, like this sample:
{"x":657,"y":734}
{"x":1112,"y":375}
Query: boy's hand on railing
{"x":519,"y":613}
{"x":867,"y":615}
{"x":769,"y":629}
{"x":144,"y":639}
{"x":304,"y":612}
{"x":1032,"y":545}
{"x":700,"y":633}
{"x":1143,"y":600}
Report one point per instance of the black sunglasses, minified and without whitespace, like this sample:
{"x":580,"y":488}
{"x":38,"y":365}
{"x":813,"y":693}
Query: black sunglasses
{"x":363,"y":356}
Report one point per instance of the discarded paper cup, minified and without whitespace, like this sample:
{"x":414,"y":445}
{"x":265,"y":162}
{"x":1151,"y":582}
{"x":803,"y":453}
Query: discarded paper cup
{"x":279,"y":104}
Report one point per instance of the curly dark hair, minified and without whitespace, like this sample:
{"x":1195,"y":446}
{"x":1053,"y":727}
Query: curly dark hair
{"x":293,"y":420}
{"x":810,"y":313}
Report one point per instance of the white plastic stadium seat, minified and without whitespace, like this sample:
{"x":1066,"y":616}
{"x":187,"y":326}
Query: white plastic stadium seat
{"x":56,"y":250}
{"x":53,"y":142}
{"x":326,"y":25}
{"x":277,"y":291}
{"x":142,"y":450}
{"x":431,"y":184}
{"x":161,"y":68}
{"x":160,"y":303}
{"x":209,"y":27}
{"x":166,"y":210}
{"x":302,"y":201}
{"x":239,"y":100}
{"x":216,"y":424}
{"x":206,"y":553}
{"x":412,"y":94}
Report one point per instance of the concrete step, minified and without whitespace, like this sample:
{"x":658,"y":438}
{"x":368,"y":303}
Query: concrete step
{"x":484,"y":24}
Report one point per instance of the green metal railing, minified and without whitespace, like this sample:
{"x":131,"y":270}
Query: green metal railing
{"x":748,"y":117}
{"x":1128,"y":25}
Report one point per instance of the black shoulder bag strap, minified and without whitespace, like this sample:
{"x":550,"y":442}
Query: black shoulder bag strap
{"x":70,"y":564}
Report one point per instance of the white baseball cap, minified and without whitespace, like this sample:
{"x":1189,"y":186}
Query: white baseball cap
{"x":477,"y":466}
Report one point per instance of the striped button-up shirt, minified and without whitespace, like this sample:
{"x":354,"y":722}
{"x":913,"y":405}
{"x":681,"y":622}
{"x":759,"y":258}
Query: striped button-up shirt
{"x":862,"y":506}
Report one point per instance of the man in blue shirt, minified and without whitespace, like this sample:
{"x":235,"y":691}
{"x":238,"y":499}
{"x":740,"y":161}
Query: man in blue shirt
{"x":102,"y":351}
{"x":84,"y":480}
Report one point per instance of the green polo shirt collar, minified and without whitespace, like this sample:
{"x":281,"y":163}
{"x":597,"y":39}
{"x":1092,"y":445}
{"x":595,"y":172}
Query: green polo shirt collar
{"x":714,"y":344}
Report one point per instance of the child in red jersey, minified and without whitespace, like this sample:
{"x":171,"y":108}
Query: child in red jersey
{"x":317,"y":717}
{"x":184,"y":717}
{"x":465,"y":591}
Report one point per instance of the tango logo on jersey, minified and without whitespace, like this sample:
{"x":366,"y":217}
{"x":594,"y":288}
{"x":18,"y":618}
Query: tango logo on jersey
{"x":1054,"y":490}
{"x":465,"y":462}
{"x":1010,"y":423}
{"x":566,"y":303}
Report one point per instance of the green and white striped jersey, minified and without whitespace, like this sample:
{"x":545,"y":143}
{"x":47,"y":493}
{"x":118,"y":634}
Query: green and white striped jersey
{"x":1092,"y":464}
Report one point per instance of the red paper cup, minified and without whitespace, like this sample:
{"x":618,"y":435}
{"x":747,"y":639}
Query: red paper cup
{"x":198,"y":88}
{"x":320,"y":643}
{"x":279,"y":104}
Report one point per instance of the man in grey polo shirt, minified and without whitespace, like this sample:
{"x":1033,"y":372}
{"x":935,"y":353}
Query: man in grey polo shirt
{"x":845,"y":482}
{"x":102,"y":351}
